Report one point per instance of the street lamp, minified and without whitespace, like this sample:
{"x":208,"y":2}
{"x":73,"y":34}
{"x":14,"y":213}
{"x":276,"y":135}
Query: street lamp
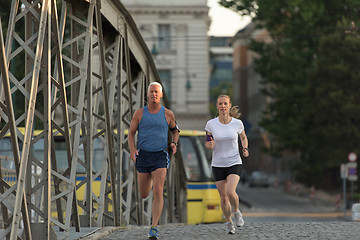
{"x":189,"y":76}
{"x":188,"y":84}
{"x":153,"y":50}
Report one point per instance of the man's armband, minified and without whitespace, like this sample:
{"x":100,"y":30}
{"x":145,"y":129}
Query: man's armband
{"x":176,"y":128}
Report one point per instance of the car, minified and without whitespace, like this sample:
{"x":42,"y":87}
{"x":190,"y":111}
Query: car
{"x":259,"y":179}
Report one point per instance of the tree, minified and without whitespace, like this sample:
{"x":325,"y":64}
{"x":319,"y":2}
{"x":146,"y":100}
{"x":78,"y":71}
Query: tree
{"x":331,"y":116}
{"x":17,"y":65}
{"x":287,"y":62}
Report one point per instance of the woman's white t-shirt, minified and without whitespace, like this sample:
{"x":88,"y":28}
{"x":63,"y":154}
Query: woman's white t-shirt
{"x":226,"y":148}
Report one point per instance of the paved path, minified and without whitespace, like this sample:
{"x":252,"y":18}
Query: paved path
{"x":259,"y":225}
{"x":251,"y":231}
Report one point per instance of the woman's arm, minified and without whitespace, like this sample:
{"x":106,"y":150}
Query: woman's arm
{"x":244,"y":143}
{"x":209,"y":144}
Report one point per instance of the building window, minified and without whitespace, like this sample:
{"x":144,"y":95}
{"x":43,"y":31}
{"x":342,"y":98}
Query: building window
{"x":165,"y":76}
{"x":164,"y":37}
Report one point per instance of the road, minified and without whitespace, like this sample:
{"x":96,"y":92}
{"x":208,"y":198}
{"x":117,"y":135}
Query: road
{"x":273,"y":214}
{"x":271,"y":204}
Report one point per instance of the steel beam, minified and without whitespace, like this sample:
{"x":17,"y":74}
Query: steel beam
{"x":86,"y":71}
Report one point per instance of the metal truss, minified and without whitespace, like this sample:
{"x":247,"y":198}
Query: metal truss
{"x":86,"y":69}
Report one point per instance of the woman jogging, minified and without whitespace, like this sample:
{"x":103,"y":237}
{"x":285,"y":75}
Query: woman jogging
{"x":222,"y":137}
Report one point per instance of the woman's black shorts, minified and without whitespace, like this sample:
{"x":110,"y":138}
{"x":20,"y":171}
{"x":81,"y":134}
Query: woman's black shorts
{"x":221,"y":173}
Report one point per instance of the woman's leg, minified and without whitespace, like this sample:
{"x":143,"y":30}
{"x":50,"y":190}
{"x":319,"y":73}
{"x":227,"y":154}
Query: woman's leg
{"x":231,"y":183}
{"x":224,"y":199}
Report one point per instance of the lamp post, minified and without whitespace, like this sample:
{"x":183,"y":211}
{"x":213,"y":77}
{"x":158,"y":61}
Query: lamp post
{"x":154,"y":51}
{"x":188,"y":84}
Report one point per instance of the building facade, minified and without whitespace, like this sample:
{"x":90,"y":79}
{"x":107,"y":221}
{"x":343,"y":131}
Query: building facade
{"x":176,"y":34}
{"x":247,"y":94}
{"x":221,"y":61}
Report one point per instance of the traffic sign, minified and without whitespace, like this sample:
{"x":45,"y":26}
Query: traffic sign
{"x":352,"y":157}
{"x":352,"y":171}
{"x":344,"y":171}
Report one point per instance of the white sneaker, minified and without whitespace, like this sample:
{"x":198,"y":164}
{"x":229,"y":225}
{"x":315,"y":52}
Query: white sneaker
{"x":239,"y":221}
{"x":230,"y":227}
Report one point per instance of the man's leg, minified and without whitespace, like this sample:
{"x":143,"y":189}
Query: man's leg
{"x":158,"y":176}
{"x":145,"y":184}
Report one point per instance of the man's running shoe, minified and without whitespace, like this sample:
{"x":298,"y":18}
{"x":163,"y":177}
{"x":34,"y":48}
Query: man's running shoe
{"x":153,"y":233}
{"x":230,"y":227}
{"x":239,"y":221}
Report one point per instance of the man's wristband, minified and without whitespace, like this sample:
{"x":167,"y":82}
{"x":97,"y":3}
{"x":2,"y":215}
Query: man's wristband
{"x":245,"y":149}
{"x":175,"y":143}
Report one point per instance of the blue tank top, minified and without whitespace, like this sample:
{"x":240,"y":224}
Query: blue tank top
{"x":153,"y":131}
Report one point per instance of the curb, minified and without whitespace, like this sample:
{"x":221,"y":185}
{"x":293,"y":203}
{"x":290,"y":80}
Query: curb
{"x":105,"y":231}
{"x":101,"y":233}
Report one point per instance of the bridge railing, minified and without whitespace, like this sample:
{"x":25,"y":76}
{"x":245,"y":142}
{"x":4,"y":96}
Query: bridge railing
{"x":81,"y":69}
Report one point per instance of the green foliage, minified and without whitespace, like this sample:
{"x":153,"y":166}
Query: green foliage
{"x":291,"y":70}
{"x":17,"y":63}
{"x":357,"y":197}
{"x":331,"y":116}
{"x":243,"y":7}
{"x":4,"y":14}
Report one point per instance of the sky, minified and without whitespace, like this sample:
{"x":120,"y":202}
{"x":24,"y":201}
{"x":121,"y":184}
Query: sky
{"x":224,"y":22}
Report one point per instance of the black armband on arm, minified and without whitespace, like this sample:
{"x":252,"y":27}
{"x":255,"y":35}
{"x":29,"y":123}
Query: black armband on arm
{"x":176,"y":128}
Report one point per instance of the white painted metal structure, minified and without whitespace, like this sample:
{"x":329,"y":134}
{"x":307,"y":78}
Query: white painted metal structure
{"x":87,"y":63}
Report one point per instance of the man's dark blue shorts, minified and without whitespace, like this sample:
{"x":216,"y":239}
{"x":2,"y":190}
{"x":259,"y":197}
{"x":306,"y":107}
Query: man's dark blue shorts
{"x":147,"y":162}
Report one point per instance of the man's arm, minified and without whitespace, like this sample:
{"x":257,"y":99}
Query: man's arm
{"x":174,"y":131}
{"x":131,"y":135}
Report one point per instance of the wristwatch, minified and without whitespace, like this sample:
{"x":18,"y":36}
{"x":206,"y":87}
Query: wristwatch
{"x":245,"y":149}
{"x":175,"y":143}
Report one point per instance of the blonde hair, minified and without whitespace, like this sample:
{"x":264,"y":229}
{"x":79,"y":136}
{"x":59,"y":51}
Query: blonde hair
{"x":156,"y":84}
{"x":235,"y":110}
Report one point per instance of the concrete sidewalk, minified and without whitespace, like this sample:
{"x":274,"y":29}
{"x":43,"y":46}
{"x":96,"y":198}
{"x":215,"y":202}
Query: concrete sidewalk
{"x":251,"y":231}
{"x":338,"y":228}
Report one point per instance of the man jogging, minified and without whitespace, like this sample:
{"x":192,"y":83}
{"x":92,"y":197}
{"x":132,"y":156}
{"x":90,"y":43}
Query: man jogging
{"x":151,"y":157}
